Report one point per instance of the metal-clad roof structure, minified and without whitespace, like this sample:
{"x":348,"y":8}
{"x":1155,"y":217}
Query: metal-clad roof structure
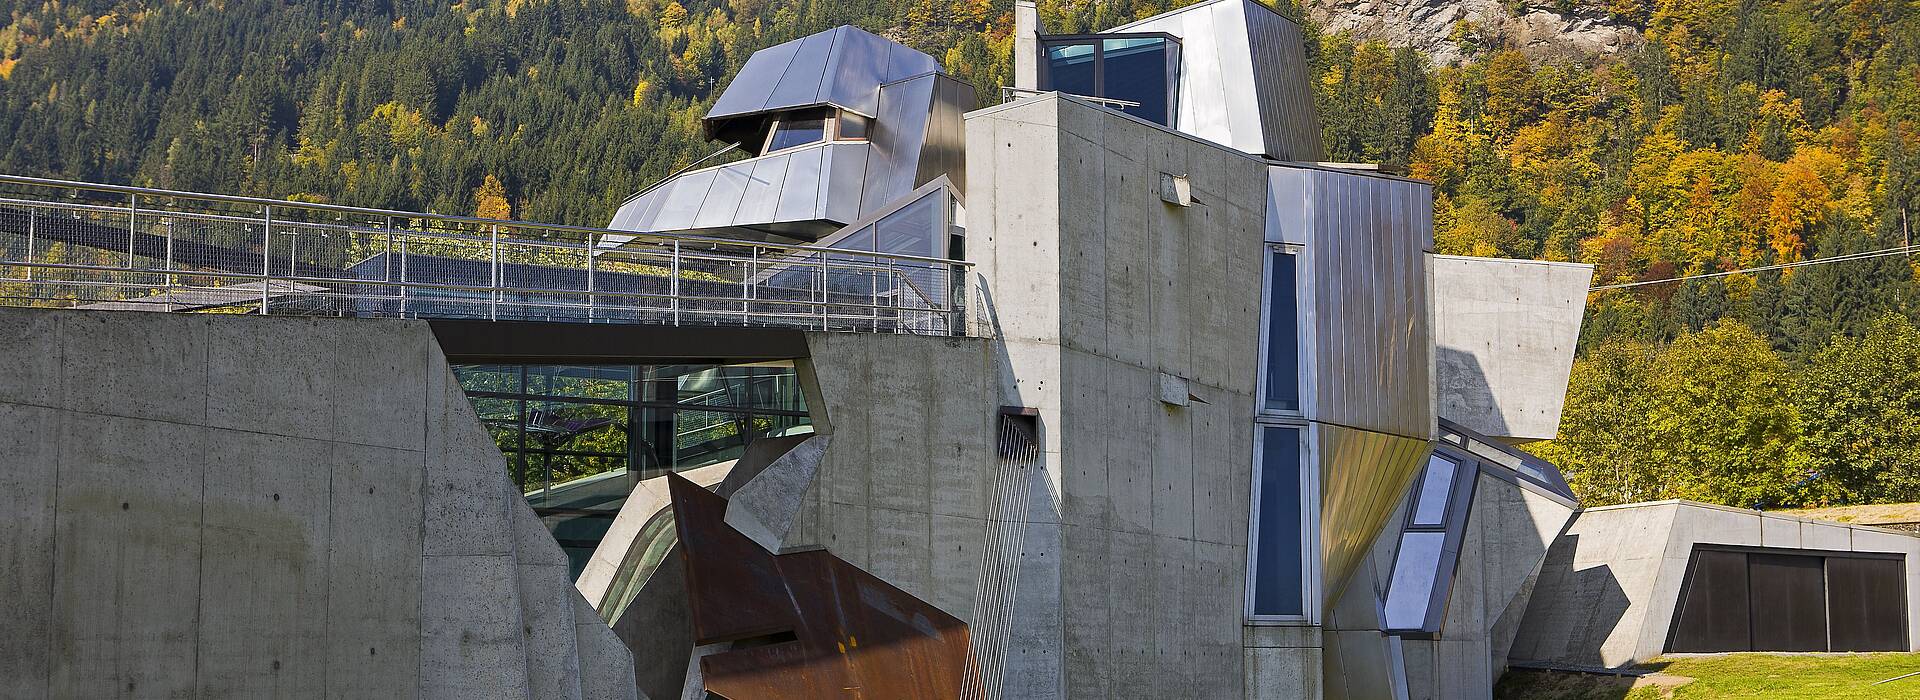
{"x":1228,"y":46}
{"x":838,"y":67}
{"x":811,"y":191}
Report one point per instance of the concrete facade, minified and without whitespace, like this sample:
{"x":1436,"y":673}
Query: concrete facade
{"x":1504,"y":332}
{"x":1137,"y":539}
{"x":196,"y":509}
{"x":1607,"y":592}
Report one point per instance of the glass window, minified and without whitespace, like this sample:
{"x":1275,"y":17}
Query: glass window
{"x":1436,"y":489}
{"x":1283,"y":335}
{"x":1135,"y":70}
{"x":1414,"y":570}
{"x":1070,"y":69}
{"x":797,"y":132}
{"x":1279,"y":573}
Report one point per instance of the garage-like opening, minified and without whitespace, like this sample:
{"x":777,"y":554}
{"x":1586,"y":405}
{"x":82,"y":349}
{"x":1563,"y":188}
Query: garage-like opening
{"x":1772,"y":599}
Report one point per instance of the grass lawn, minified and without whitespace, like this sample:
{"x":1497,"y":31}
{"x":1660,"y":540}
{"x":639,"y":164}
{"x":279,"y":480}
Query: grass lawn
{"x":1821,"y":676}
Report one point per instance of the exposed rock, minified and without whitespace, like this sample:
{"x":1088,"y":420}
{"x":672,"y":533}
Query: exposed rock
{"x":1428,"y":25}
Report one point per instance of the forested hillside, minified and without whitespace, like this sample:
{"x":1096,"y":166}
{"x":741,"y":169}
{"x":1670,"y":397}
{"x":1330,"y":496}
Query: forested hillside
{"x":1736,"y":134}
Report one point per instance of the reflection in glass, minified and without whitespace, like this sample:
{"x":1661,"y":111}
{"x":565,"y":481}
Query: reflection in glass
{"x":1135,"y":70}
{"x":1279,"y":585}
{"x":797,"y":132}
{"x":1414,"y":571}
{"x":1283,"y":336}
{"x":1070,"y":69}
{"x":578,"y":437}
{"x":1436,"y":489}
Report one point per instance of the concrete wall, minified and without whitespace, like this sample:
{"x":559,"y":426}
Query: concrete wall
{"x":264,"y":507}
{"x":1606,"y":595}
{"x":1504,"y":332}
{"x":1100,"y":290}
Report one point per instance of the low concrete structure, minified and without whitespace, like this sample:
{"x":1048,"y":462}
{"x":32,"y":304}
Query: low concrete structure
{"x":1607,"y":594}
{"x":194,"y":509}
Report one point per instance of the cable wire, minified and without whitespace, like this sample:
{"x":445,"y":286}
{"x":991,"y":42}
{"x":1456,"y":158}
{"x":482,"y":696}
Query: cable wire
{"x":1886,"y":252}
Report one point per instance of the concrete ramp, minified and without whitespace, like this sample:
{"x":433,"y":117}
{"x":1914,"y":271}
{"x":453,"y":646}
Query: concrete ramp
{"x":259,"y":507}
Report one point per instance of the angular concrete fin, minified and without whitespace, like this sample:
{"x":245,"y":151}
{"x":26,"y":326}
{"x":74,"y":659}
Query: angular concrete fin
{"x":767,"y":508}
{"x":606,"y":665}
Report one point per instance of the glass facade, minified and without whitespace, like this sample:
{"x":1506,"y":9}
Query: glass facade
{"x":1140,"y":68}
{"x":1281,"y":571}
{"x":794,"y":132}
{"x":578,"y":437}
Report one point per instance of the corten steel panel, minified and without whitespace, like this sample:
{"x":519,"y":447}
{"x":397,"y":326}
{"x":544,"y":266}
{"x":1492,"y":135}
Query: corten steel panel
{"x":1712,"y":614}
{"x":1789,"y":602}
{"x":843,"y":66}
{"x":807,"y":624}
{"x":1363,"y":474}
{"x":1866,"y":604}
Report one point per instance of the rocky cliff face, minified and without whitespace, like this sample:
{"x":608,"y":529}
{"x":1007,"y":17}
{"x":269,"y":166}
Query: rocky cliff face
{"x":1429,"y":25}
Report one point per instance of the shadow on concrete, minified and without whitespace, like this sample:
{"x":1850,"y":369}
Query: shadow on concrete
{"x":1572,"y":612}
{"x":1463,"y":394}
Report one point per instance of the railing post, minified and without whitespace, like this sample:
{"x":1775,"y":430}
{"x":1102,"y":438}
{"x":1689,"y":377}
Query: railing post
{"x":266,"y":261}
{"x":31,"y":217}
{"x":746,"y":285}
{"x":592,"y":302}
{"x":403,"y":277}
{"x":493,"y":293}
{"x":168,"y":225}
{"x":133,"y":207}
{"x":673,"y":283}
{"x":826,"y":301}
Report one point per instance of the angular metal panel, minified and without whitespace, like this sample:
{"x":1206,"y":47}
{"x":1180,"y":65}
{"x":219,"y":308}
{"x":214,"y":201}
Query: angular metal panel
{"x":840,"y":185}
{"x":1363,"y":476}
{"x":800,"y":194}
{"x":844,"y":66}
{"x":757,"y":79}
{"x":723,"y":198}
{"x":944,"y":151}
{"x":896,"y":140}
{"x":762,"y":196}
{"x":682,"y":203}
{"x":1369,"y":350}
{"x":1289,"y":120}
{"x":800,"y":80}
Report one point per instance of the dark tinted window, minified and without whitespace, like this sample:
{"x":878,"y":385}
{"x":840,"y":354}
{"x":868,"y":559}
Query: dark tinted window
{"x":1140,"y":69}
{"x":1279,"y":584}
{"x":1136,"y":71}
{"x":1283,"y":337}
{"x":1070,"y":69}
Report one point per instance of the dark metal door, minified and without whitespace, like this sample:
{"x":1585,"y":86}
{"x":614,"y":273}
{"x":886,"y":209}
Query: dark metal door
{"x":1866,"y":604}
{"x":1789,"y":598}
{"x":1712,"y":615}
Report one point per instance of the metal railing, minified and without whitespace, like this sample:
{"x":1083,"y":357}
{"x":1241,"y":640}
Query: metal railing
{"x":75,"y":244}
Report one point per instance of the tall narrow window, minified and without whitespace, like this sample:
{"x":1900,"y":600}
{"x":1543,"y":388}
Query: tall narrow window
{"x":1282,"y":364}
{"x":1278,"y":586}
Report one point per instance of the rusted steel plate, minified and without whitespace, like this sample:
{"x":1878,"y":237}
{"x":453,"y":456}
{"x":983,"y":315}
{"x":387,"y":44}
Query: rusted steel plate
{"x":806,"y":624}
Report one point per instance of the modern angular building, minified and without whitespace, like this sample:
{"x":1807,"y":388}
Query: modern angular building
{"x":1112,"y":389}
